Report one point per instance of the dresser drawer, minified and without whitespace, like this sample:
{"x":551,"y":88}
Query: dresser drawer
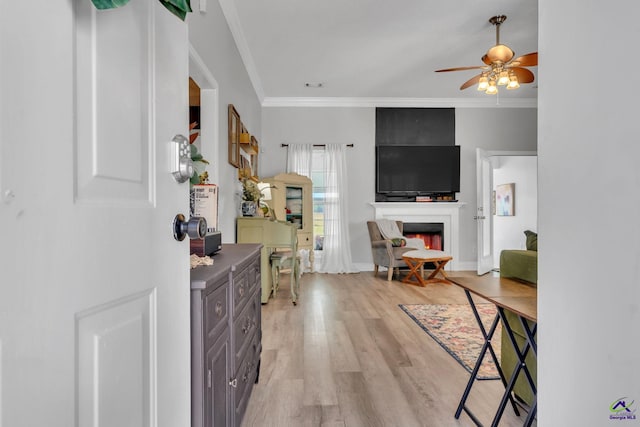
{"x":253,"y":274}
{"x":216,"y":308}
{"x":241,"y":291}
{"x":245,"y":283}
{"x":246,"y":375}
{"x":258,"y":304}
{"x":245,"y":326}
{"x":250,"y":265}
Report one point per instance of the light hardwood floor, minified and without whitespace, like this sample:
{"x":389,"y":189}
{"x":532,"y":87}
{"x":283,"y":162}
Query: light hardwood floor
{"x":347,"y":355}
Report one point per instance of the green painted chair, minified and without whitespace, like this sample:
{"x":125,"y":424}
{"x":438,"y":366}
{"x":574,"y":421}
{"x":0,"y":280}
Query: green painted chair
{"x":286,"y":260}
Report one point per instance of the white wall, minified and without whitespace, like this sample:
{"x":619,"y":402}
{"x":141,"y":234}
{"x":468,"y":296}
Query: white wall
{"x":508,"y":231}
{"x":329,"y":125}
{"x":589,"y":179}
{"x":209,"y":34}
{"x":488,"y":128}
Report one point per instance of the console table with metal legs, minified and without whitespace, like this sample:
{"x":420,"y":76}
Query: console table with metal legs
{"x":521,"y":299}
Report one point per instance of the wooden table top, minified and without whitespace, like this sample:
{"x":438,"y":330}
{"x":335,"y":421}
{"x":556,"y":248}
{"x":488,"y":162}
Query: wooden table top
{"x":514,"y":295}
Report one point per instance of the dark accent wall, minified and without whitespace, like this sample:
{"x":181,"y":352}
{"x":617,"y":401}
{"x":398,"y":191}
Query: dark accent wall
{"x":415,"y":126}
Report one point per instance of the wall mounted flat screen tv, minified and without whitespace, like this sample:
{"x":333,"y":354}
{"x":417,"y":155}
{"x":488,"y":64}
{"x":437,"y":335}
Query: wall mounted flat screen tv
{"x":417,"y":170}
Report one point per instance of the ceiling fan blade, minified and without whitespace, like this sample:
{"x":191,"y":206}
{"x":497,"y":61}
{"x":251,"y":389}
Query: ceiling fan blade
{"x":528,"y":60}
{"x":479,"y":67}
{"x":524,"y":75}
{"x":472,"y":81}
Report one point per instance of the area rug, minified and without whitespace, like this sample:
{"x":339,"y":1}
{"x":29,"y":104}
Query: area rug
{"x":454,"y":327}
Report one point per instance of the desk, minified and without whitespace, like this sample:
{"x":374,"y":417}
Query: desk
{"x":522,"y":299}
{"x":416,"y":260}
{"x":272,"y":235}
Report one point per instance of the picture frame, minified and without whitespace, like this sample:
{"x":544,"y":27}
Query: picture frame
{"x":505,"y":199}
{"x":235,"y":127}
{"x":244,"y":170}
{"x":254,"y":159}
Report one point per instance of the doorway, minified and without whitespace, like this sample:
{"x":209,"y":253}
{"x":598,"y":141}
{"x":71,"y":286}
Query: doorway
{"x":508,"y":230}
{"x":498,"y":232}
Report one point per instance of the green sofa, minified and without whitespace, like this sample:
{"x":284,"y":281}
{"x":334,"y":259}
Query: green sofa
{"x":521,"y":265}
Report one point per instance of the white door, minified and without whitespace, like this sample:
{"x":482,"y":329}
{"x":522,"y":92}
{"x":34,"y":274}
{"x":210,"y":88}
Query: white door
{"x":484,"y":215}
{"x":94,"y":290}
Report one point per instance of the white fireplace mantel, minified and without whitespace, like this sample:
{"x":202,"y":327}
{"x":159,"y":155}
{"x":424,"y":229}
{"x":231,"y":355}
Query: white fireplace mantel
{"x":448,"y":213}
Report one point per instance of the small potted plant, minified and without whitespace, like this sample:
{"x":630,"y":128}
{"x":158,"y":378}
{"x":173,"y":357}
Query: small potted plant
{"x":250,"y":197}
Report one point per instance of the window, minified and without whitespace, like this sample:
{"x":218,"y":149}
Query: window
{"x":318,"y":170}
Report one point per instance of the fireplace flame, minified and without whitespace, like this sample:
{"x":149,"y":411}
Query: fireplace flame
{"x":430,"y":240}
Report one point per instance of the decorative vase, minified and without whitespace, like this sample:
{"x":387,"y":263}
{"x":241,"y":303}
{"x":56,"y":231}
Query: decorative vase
{"x":249,"y":208}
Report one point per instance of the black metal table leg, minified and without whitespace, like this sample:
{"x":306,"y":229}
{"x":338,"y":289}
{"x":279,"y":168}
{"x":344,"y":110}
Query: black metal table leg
{"x":486,"y":346}
{"x":530,"y":335}
{"x":532,"y":413}
{"x":521,"y":354}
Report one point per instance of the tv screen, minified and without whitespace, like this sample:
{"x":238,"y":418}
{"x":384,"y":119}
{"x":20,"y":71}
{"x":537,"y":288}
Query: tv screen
{"x":417,"y":170}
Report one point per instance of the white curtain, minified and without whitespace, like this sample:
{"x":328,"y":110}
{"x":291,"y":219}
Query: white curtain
{"x":336,"y":254}
{"x":299,"y":159}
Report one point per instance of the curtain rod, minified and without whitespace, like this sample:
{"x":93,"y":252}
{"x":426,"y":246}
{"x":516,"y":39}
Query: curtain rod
{"x":316,"y":145}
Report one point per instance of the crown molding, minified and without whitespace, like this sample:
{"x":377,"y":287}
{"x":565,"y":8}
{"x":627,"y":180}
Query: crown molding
{"x":399,"y":102}
{"x":231,"y":15}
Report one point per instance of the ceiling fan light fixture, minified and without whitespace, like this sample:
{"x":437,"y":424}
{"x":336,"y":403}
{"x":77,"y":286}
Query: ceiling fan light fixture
{"x":513,"y":82}
{"x":492,"y":89}
{"x":500,"y":67}
{"x":483,"y":83}
{"x":503,"y":78}
{"x":500,"y":54}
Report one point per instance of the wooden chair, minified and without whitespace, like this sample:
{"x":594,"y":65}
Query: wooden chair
{"x":286,"y":260}
{"x":384,"y":253}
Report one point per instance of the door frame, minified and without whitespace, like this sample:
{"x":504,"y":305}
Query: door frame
{"x":209,"y":108}
{"x":490,"y":154}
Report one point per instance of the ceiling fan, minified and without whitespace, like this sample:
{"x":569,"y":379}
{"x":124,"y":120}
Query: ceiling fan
{"x":500,"y":68}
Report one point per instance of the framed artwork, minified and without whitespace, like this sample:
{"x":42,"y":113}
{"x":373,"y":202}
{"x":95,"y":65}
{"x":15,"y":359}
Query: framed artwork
{"x":235,"y":127}
{"x":254,"y":158}
{"x":493,"y":202}
{"x":505,"y":199}
{"x":244,"y":170}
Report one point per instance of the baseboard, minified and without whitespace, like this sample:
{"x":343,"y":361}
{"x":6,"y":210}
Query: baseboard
{"x":467,"y":266}
{"x":363,"y":266}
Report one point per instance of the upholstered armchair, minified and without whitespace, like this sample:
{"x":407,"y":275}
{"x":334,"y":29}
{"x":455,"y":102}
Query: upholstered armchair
{"x":384,"y":253}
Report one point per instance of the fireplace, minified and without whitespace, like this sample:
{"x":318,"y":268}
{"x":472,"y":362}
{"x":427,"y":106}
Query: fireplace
{"x":431,"y":233}
{"x":446,"y":213}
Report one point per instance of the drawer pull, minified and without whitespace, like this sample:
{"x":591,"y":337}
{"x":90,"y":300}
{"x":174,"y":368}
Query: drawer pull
{"x":234,"y":383}
{"x":218,"y":308}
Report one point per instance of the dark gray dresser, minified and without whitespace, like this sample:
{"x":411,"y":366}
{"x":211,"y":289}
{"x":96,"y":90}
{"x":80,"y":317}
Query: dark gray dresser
{"x":226,"y":335}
